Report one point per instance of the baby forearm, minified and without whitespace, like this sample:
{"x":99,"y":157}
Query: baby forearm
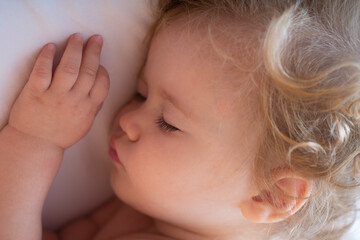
{"x":28,"y":166}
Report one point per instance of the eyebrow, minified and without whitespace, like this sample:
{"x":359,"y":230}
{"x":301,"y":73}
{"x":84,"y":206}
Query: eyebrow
{"x":166,"y":96}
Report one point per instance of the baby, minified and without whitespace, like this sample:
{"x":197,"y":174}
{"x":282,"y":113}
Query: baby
{"x":245,"y":125}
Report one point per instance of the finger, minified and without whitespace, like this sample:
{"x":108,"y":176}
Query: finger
{"x":40,"y":77}
{"x":101,"y":86}
{"x":67,"y":71}
{"x":89,"y":66}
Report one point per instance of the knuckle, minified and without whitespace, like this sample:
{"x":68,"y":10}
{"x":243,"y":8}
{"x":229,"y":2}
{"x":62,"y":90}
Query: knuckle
{"x":61,"y":102}
{"x":70,"y":69}
{"x":90,"y":70}
{"x":41,"y":71}
{"x":38,"y":99}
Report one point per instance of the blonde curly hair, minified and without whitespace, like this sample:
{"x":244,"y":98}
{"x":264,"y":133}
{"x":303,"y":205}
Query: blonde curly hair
{"x":307,"y":57}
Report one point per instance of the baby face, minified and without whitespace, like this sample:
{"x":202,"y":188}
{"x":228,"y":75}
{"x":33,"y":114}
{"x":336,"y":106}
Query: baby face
{"x":187,"y":141}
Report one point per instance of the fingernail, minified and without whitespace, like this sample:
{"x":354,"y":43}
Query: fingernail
{"x":98,"y":39}
{"x":50,"y":47}
{"x":77,"y":37}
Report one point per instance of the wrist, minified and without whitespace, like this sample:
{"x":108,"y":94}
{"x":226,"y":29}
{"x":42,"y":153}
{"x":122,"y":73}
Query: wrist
{"x":13,"y":131}
{"x":28,"y":167}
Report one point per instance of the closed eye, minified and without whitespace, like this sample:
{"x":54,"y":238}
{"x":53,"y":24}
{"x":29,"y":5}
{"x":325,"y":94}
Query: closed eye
{"x":166,"y":127}
{"x":163,"y":125}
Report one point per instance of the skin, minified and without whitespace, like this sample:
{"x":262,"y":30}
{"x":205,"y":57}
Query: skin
{"x":191,"y":180}
{"x":52,"y":112}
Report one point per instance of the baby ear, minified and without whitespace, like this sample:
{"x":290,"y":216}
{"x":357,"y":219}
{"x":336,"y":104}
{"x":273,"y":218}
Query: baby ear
{"x":274,"y":206}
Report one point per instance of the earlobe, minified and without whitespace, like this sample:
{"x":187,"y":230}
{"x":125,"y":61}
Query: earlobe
{"x":274,"y":206}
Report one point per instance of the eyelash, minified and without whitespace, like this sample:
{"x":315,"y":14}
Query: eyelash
{"x":160,"y":121}
{"x":164,"y":125}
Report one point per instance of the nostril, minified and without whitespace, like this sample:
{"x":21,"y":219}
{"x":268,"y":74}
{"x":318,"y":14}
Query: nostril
{"x":118,"y":132}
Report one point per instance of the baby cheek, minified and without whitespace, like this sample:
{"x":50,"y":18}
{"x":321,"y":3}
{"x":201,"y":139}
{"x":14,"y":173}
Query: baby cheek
{"x":163,"y":166}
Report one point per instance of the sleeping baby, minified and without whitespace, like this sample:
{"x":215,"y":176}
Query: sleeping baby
{"x":245,"y":125}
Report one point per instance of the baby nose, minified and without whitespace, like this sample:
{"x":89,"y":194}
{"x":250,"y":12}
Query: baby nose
{"x":129,"y":126}
{"x":129,"y":121}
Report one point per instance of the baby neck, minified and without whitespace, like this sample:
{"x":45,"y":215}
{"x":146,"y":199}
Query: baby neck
{"x":252,"y":231}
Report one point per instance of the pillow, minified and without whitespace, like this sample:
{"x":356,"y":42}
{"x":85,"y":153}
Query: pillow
{"x":83,"y":180}
{"x":354,"y":232}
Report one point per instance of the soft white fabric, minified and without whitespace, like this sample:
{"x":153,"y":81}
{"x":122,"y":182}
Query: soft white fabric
{"x":25,"y":26}
{"x":354,"y":232}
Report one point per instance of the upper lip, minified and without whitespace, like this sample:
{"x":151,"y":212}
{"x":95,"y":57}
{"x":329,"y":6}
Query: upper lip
{"x":113,"y":146}
{"x":112,"y":142}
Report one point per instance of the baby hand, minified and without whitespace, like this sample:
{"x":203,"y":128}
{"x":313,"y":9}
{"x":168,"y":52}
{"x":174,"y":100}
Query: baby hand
{"x":61,"y":108}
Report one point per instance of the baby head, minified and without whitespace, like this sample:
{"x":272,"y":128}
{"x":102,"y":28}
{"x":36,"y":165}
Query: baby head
{"x":246,"y":121}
